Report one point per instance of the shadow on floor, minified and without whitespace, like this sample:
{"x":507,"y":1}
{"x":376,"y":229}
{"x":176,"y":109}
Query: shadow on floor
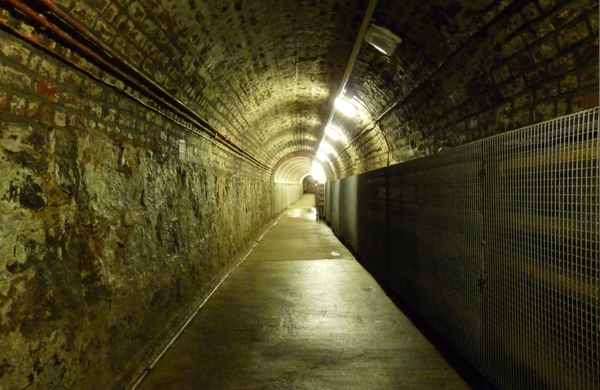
{"x":461,"y":365}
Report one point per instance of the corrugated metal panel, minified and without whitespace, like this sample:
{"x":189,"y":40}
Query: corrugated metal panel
{"x":320,"y":200}
{"x":334,"y":189}
{"x":328,"y":201}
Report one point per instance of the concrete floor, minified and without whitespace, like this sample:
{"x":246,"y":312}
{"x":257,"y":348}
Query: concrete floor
{"x":302,"y":313}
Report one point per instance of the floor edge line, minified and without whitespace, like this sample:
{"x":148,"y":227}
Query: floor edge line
{"x":222,"y":279}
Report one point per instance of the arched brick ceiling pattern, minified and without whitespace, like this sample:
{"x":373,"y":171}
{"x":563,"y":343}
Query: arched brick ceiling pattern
{"x":293,"y":170}
{"x":265,"y":73}
{"x":353,"y":151}
{"x":295,"y":166}
{"x":432,"y":32}
{"x":470,"y":69}
{"x":255,"y":69}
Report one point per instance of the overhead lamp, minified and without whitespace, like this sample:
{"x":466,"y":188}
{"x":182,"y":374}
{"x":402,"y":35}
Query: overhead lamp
{"x":345,"y":106}
{"x":322,"y":156}
{"x":318,"y":173}
{"x":333,"y":133}
{"x":357,"y":102}
{"x":325,"y":147}
{"x":382,"y":39}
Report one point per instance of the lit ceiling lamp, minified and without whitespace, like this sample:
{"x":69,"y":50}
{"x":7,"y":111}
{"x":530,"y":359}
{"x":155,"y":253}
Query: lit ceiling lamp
{"x":382,"y":39}
{"x":333,"y":133}
{"x":318,"y":173}
{"x":322,"y":156}
{"x":345,"y":106}
{"x":325,"y":147}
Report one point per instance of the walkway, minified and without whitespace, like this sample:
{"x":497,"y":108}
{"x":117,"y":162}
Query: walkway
{"x":301,"y":313}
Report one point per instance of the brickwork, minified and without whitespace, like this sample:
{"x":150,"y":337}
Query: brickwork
{"x":114,"y":219}
{"x":462,"y":72}
{"x":116,"y":208}
{"x":368,"y":151}
{"x":193,"y":49}
{"x":532,"y":61}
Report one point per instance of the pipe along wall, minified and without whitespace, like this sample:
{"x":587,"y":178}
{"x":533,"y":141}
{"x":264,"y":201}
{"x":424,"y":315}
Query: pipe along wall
{"x":115,"y":223}
{"x":495,"y":244}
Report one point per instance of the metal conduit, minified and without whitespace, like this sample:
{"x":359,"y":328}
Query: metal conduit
{"x":141,"y":82}
{"x":350,"y":65}
{"x":116,"y":88}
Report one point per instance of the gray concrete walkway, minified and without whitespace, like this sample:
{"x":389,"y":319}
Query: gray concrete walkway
{"x":301,"y":313}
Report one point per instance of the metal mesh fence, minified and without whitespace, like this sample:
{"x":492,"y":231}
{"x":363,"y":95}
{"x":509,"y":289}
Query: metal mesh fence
{"x":328,"y":200}
{"x":371,"y":220}
{"x":436,"y":242}
{"x":496,"y":244}
{"x":541,"y":228}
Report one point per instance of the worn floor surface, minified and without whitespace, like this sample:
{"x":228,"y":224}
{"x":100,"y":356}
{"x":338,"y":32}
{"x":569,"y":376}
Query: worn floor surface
{"x":301,"y":313}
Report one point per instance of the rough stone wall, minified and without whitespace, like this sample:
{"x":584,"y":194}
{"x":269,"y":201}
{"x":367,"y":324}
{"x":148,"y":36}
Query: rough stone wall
{"x":113,"y":220}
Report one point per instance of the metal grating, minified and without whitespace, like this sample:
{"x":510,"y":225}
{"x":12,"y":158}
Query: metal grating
{"x":496,"y":244}
{"x":371,"y":225}
{"x":436,"y":254}
{"x":541,"y":227}
{"x":328,"y":201}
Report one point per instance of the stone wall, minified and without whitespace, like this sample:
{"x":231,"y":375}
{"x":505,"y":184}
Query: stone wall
{"x":113,"y":222}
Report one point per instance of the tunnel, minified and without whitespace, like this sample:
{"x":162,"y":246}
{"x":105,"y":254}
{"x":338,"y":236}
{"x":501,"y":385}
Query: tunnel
{"x":147,"y":145}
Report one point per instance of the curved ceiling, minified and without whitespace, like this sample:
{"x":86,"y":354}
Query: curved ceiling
{"x":295,"y":166}
{"x":268,"y":70}
{"x":266,"y":73}
{"x":293,"y":170}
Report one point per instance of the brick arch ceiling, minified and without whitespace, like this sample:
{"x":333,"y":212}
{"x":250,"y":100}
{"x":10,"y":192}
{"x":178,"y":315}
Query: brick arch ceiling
{"x":293,"y":170}
{"x":265,"y":73}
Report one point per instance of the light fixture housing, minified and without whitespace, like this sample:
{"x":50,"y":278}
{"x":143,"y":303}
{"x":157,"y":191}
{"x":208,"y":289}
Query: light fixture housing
{"x":333,"y":133}
{"x":318,"y":173}
{"x":382,"y":39}
{"x":322,"y":156}
{"x":325,"y":147}
{"x":345,"y":106}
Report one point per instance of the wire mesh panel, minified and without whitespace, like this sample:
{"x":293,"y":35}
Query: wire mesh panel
{"x":371,"y":221}
{"x":496,"y":244}
{"x":541,"y":257}
{"x":334,"y":216}
{"x":347,"y":210}
{"x":435,"y":242}
{"x":328,"y":201}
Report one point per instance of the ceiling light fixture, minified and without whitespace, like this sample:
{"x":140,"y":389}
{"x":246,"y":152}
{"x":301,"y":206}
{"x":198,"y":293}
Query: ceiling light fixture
{"x":322,"y":156}
{"x":345,"y":106}
{"x":382,"y":39}
{"x":318,"y":173}
{"x":325,"y":147}
{"x":333,"y":133}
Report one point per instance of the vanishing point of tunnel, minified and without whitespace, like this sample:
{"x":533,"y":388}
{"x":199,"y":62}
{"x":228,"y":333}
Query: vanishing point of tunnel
{"x":444,"y":154}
